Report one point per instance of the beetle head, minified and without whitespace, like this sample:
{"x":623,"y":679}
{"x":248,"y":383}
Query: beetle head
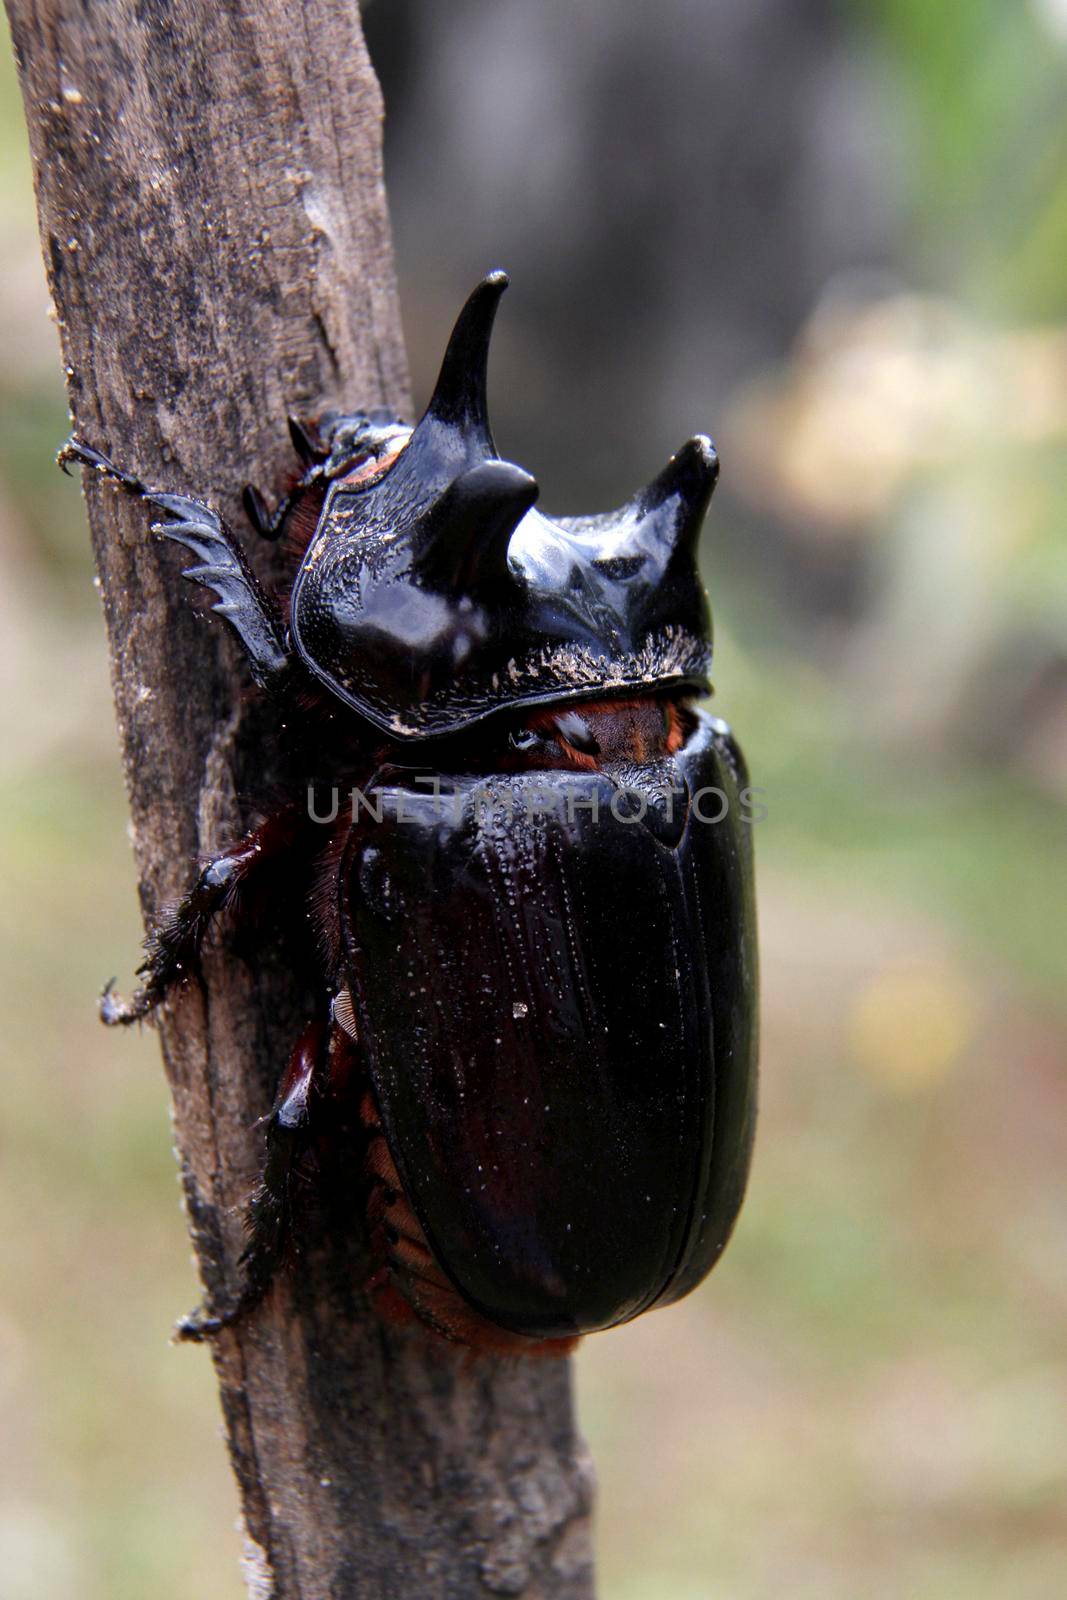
{"x":434,"y":594}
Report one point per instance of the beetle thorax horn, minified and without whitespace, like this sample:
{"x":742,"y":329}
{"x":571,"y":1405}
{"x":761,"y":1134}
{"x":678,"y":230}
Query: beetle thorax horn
{"x":435,"y":594}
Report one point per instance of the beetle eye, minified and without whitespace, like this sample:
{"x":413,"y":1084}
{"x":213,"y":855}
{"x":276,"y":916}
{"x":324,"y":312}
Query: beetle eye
{"x":577,"y":733}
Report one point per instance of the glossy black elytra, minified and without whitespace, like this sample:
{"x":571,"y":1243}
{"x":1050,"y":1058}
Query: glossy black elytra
{"x":538,"y":981}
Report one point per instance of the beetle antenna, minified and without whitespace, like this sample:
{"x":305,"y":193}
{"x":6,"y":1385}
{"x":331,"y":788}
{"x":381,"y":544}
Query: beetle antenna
{"x":304,"y":444}
{"x":257,"y":513}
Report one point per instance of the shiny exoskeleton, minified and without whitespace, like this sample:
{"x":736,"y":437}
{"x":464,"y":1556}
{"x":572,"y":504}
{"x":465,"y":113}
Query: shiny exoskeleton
{"x":534,"y":894}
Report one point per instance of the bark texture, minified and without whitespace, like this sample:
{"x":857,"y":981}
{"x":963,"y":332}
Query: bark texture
{"x":213,"y":220}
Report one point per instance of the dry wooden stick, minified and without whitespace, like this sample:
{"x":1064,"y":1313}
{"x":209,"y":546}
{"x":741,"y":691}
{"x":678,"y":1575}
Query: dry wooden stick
{"x":213,"y":219}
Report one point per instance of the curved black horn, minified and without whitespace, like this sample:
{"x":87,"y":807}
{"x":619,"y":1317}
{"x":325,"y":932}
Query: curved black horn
{"x":460,"y":395}
{"x":688,"y":481}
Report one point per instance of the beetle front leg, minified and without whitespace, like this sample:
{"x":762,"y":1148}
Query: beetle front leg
{"x":173,"y":948}
{"x":222,"y":564}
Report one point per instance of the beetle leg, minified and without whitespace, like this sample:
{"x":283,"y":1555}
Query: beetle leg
{"x":269,"y":524}
{"x":222,"y":564}
{"x":268,"y":1219}
{"x":172,"y":949}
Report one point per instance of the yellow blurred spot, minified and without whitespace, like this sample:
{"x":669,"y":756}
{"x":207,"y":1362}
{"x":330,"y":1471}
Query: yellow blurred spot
{"x":910,"y":1025}
{"x":881,"y":390}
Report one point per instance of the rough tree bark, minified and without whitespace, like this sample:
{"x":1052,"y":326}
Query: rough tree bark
{"x":213,"y":220}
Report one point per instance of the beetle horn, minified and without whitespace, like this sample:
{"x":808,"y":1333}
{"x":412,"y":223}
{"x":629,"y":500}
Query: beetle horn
{"x":678,"y":499}
{"x":465,"y":541}
{"x":460,"y":396}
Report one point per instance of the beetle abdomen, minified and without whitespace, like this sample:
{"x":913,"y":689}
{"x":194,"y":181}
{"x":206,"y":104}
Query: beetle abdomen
{"x":553,"y":974}
{"x":409,"y":1282}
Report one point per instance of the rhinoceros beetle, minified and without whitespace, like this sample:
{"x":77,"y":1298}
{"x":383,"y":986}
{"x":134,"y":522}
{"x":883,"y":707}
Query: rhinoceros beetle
{"x":538,"y":970}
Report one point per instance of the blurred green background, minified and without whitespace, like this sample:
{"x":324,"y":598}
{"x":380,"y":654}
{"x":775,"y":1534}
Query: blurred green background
{"x":837,"y":236}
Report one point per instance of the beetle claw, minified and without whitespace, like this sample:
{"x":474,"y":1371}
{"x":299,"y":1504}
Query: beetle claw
{"x":197,"y":1328}
{"x":115,"y":1012}
{"x":77,"y":450}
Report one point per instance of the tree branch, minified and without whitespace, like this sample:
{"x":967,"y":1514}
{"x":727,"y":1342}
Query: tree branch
{"x":213,"y":219}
